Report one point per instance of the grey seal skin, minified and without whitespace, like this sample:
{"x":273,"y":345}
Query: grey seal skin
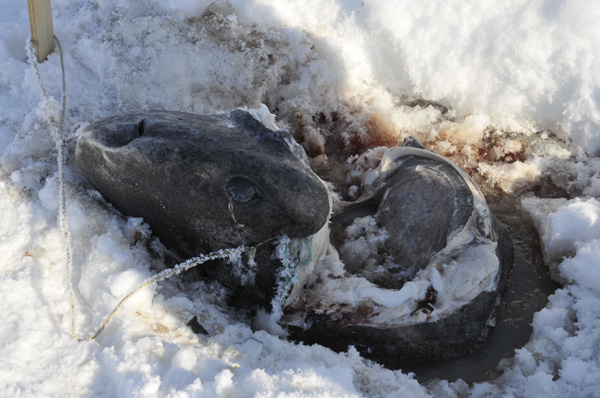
{"x":203,"y":182}
{"x":422,"y":203}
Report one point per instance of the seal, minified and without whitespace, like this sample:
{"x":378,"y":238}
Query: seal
{"x":409,"y":270}
{"x":204,"y":182}
{"x":417,"y":264}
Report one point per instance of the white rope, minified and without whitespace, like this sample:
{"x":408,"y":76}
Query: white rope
{"x":179,"y":268}
{"x":56,"y":130}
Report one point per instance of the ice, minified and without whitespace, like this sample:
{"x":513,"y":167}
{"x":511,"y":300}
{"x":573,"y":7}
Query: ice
{"x":339,"y":72}
{"x":567,"y":228}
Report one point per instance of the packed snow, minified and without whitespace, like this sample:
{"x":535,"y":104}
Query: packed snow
{"x":509,"y":90}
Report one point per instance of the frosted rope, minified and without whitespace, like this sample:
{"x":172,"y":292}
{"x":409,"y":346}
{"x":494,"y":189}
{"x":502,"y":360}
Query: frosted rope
{"x":179,"y":268}
{"x":56,"y":130}
{"x":291,"y":265}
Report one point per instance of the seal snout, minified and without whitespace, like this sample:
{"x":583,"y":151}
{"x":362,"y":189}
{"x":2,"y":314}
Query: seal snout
{"x":308,"y":211}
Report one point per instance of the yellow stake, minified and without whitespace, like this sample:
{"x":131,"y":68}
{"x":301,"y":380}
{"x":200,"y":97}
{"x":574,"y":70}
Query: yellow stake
{"x":42,"y":33}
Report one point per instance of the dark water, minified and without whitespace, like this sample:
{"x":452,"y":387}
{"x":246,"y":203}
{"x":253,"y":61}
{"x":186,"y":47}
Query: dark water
{"x":528,"y":288}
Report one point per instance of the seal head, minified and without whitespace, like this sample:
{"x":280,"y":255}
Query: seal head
{"x":203,"y":182}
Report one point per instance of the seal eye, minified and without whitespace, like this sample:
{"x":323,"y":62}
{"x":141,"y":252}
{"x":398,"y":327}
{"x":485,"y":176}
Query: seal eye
{"x":241,"y":190}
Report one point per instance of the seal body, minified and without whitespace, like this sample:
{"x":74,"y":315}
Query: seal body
{"x":422,"y":268}
{"x":203,"y":182}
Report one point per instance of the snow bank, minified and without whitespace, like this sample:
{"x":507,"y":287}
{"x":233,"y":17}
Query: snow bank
{"x":565,"y":342}
{"x":525,"y":66}
{"x":506,"y":77}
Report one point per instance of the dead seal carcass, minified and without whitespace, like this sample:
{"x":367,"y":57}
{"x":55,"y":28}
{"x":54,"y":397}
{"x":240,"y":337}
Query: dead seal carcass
{"x":417,"y":279}
{"x":416,"y":271}
{"x":205,"y":182}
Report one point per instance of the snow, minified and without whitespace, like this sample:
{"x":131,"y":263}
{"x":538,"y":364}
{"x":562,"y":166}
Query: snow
{"x":523,"y":73}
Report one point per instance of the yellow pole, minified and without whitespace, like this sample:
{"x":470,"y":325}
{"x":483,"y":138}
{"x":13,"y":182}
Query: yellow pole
{"x":40,"y":21}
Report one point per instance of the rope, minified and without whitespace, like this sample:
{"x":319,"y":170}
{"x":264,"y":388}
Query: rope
{"x":292,"y":258}
{"x":179,"y":268}
{"x":56,"y":130}
{"x":289,"y":252}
